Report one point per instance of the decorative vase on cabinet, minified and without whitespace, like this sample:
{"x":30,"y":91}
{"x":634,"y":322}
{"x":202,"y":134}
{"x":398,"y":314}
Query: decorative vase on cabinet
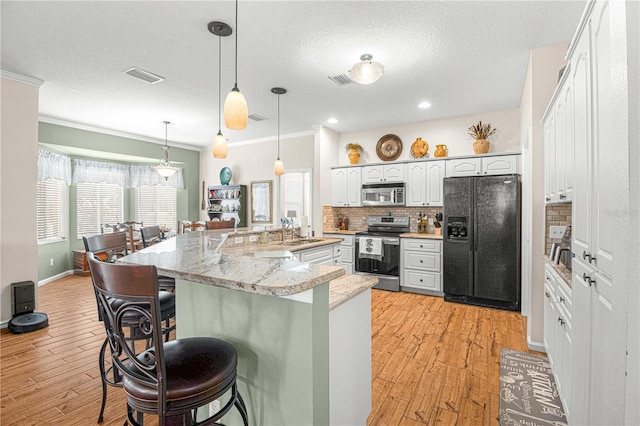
{"x":441,"y":151}
{"x":354,"y":156}
{"x":481,"y":146}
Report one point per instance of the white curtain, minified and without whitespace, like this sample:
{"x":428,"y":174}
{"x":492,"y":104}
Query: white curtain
{"x":53,"y":166}
{"x":146,"y":175}
{"x":86,"y":171}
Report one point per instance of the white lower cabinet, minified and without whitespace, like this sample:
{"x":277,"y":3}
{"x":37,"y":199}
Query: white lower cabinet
{"x":558,"y":338}
{"x":318,"y":255}
{"x":421,"y":265}
{"x":343,"y":253}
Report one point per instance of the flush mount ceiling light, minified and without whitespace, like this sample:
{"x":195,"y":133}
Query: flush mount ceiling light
{"x":165,"y":169}
{"x":424,"y":105}
{"x":367,"y":71}
{"x":220,"y":29}
{"x":236,"y":112}
{"x":332,"y":120}
{"x":278,"y":166}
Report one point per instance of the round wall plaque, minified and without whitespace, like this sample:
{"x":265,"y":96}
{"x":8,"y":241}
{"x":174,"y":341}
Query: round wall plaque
{"x":389,"y":147}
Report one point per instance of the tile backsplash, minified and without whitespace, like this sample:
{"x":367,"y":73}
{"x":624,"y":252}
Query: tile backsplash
{"x":358,"y":215}
{"x":559,"y":214}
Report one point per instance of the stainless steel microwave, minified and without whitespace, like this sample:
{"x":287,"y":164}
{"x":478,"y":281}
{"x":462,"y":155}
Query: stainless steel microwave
{"x":383,"y":194}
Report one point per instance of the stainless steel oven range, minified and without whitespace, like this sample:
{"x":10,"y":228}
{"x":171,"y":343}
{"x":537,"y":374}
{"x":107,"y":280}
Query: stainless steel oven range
{"x":378,"y":250}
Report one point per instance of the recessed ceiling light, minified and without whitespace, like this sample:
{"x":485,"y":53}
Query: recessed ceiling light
{"x":332,"y":120}
{"x":424,"y":105}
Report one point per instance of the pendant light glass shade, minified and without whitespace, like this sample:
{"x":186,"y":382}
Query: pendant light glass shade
{"x":165,"y":169}
{"x":367,"y":71}
{"x":278,"y":167}
{"x":236,"y":112}
{"x":219,"y":148}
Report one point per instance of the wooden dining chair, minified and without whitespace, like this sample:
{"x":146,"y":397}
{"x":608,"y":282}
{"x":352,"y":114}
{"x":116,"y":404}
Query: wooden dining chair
{"x":108,"y":248}
{"x":220,"y":224}
{"x":168,"y":379}
{"x":187,"y":226}
{"x":151,"y":236}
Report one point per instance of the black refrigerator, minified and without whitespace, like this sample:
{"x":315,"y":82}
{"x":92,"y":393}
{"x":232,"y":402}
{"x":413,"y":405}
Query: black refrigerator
{"x":481,"y":241}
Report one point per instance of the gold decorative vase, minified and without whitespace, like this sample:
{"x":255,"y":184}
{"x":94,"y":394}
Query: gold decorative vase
{"x":354,"y":156}
{"x":441,"y":151}
{"x":481,"y":146}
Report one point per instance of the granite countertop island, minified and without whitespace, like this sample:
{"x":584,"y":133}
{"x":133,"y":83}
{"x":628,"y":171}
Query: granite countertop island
{"x":302,"y":331}
{"x":206,"y":257}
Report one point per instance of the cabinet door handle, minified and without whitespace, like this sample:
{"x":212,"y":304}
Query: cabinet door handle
{"x":420,"y":279}
{"x":548,"y":199}
{"x":546,"y":293}
{"x":562,"y":299}
{"x":562,"y":196}
{"x":586,"y":256}
{"x":421,"y":261}
{"x":586,"y":278}
{"x":561,"y":321}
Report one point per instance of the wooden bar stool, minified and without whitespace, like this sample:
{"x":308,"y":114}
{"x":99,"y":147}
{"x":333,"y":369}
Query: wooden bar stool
{"x":169,"y":379}
{"x":110,"y":247}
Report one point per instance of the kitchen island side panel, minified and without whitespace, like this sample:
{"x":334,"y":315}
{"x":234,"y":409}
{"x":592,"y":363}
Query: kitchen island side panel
{"x":282,"y":345}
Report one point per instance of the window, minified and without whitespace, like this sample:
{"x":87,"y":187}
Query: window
{"x":51,"y":210}
{"x":98,"y":203}
{"x":156,"y":205}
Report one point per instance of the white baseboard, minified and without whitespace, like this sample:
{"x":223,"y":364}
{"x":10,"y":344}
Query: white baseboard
{"x":55,"y":277}
{"x":536,"y":346}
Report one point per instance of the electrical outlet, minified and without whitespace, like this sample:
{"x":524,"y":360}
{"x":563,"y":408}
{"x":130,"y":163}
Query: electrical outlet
{"x":253,"y":238}
{"x":51,"y":262}
{"x":238,"y":240}
{"x":214,"y":407}
{"x":557,"y":231}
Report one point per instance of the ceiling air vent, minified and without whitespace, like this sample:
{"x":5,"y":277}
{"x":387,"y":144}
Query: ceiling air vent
{"x":257,"y":117}
{"x":143,"y":75}
{"x":341,"y":80}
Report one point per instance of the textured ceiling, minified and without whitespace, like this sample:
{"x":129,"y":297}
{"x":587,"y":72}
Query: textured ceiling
{"x":462,"y":57}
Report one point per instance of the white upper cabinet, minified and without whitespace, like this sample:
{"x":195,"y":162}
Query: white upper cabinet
{"x":346,"y":187}
{"x":425,"y":183}
{"x":501,"y":165}
{"x":490,"y":165}
{"x":559,"y":140}
{"x":464,"y":167}
{"x":385,"y":173}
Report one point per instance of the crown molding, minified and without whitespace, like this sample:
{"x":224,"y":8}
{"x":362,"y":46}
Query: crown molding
{"x":21,"y":78}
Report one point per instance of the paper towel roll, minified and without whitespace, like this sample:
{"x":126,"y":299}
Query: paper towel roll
{"x":304,"y":226}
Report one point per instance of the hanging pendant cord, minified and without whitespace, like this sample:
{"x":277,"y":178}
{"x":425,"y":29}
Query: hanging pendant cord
{"x":219,"y":77}
{"x":278,"y":127}
{"x":236,"y":82}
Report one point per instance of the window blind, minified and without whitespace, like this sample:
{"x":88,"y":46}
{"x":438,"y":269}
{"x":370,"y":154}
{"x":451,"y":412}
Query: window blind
{"x":51,"y":212}
{"x":156,"y":205}
{"x":98,"y":203}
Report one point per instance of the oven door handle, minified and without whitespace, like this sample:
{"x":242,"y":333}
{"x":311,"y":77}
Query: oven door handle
{"x":391,"y":241}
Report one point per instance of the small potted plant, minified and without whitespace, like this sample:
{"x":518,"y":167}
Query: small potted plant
{"x":354,"y":150}
{"x":481,"y":132}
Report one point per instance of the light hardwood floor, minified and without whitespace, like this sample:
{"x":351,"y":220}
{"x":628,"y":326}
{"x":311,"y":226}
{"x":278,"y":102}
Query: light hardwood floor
{"x":434,"y":362}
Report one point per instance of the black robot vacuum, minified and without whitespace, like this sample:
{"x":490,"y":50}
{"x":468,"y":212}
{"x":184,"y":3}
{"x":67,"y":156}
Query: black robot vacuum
{"x":23,"y":303}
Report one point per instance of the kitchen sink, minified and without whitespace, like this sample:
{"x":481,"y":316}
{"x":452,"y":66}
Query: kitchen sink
{"x":302,"y":241}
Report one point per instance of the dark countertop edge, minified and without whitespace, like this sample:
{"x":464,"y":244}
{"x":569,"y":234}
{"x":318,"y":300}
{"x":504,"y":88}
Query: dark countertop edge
{"x":424,"y":236}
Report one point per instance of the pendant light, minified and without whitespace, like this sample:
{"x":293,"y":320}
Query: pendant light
{"x":220,"y":29}
{"x":366,"y":71}
{"x":278,"y":166}
{"x":236,"y":112}
{"x":165,"y":169}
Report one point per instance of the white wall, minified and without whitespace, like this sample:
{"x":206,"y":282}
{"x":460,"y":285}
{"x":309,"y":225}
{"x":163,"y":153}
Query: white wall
{"x":449,"y":131}
{"x":545,"y":63}
{"x":254,"y":161}
{"x":326,"y":155}
{"x":19,"y":140}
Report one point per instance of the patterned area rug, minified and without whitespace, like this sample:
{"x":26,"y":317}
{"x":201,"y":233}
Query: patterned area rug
{"x":528,"y":393}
